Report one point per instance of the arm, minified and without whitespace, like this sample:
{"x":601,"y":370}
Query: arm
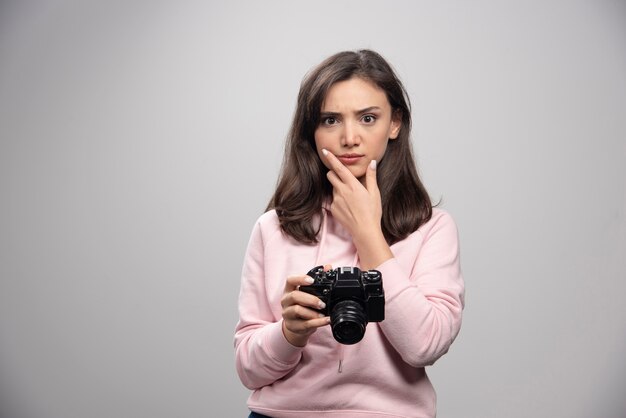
{"x":262,"y":354}
{"x":267,"y":347}
{"x":358,"y":208}
{"x":423,"y":310}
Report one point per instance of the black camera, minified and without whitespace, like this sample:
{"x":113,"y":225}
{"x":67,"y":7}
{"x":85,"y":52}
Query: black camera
{"x":352,"y":297}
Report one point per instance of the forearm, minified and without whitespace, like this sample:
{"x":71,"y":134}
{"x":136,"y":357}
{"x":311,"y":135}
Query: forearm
{"x":371,"y":247}
{"x":263,"y":355}
{"x":421,"y":322}
{"x":424,"y":292}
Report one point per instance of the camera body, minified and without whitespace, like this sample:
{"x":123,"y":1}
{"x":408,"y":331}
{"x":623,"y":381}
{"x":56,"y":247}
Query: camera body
{"x":352,"y":297}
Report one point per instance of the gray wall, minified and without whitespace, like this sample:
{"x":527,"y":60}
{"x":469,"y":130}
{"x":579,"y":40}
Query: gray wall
{"x":141,"y":140}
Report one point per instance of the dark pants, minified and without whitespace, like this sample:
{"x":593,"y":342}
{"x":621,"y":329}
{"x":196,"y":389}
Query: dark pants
{"x":257,"y":415}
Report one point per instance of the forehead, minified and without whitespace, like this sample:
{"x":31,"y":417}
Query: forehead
{"x":354,"y":94}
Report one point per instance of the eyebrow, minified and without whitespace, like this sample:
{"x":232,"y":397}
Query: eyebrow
{"x":358,"y":112}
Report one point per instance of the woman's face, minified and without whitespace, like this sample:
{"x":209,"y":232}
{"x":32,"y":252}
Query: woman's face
{"x":356,"y":121}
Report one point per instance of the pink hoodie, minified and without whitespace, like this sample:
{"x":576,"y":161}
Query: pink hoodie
{"x":381,"y":376}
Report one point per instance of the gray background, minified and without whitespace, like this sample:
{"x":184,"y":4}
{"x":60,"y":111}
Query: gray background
{"x":140,"y":140}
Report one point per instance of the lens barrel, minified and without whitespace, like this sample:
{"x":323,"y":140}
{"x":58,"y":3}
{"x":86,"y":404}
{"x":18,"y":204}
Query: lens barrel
{"x":348,"y":321}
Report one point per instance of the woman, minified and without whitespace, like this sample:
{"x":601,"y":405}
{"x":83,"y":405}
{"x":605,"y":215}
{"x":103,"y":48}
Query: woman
{"x":348,"y":195}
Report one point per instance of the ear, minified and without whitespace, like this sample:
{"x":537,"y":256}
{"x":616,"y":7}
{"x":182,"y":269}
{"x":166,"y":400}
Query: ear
{"x":396,"y":124}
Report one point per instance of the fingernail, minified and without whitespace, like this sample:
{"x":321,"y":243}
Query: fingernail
{"x":321,"y":315}
{"x":322,"y":305}
{"x":324,"y":151}
{"x":373,"y":164}
{"x":309,"y":280}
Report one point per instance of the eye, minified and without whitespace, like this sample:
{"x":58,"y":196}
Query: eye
{"x":368,"y":119}
{"x":329,"y":121}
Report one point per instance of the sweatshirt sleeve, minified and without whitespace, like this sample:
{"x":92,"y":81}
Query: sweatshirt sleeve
{"x":262,"y":353}
{"x":423,"y":308}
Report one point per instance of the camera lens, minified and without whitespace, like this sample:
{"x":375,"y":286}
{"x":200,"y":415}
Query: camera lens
{"x":348,"y":320}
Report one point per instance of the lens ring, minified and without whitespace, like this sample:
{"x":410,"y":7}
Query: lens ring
{"x":348,"y":321}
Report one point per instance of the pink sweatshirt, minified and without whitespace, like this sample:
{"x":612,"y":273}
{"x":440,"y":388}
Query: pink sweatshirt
{"x":381,"y":376}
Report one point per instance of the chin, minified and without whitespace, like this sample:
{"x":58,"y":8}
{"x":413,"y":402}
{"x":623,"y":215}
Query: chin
{"x":358,"y":173}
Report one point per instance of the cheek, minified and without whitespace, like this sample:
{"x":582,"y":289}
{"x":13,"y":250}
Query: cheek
{"x":381,"y":147}
{"x":321,"y":140}
{"x":381,"y":153}
{"x":319,"y":145}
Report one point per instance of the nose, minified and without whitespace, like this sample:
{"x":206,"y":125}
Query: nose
{"x":350,"y":135}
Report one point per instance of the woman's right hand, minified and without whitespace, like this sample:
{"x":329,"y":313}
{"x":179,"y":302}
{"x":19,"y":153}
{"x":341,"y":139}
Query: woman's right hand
{"x":300,"y":311}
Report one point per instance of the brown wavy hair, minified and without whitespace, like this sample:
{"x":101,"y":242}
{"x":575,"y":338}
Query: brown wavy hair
{"x":303,"y":187}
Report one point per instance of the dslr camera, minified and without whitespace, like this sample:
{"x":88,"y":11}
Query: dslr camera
{"x":352,"y":297}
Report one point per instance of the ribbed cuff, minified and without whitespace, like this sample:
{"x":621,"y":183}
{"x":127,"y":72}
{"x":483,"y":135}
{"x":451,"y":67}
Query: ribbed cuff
{"x":278,"y":347}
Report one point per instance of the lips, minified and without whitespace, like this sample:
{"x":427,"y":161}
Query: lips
{"x":350,"y":159}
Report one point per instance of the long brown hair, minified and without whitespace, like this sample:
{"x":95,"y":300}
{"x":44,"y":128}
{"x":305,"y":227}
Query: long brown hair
{"x":302,"y":186}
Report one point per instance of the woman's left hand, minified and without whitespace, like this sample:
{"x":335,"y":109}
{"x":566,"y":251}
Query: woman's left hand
{"x":359,"y":209}
{"x":356,"y":206}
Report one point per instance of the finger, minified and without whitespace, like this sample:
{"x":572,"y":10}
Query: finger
{"x":293,"y":282}
{"x":301,"y":313}
{"x":318,"y":322}
{"x":298,"y":297}
{"x":371,"y":183}
{"x":293,"y":296}
{"x":335,"y":165}
{"x":302,"y":327}
{"x":334,"y":180}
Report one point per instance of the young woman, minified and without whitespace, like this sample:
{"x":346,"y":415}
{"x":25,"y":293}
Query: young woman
{"x":348,"y":195}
